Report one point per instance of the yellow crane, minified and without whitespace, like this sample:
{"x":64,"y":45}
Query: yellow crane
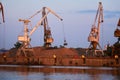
{"x":94,"y":35}
{"x":25,"y":39}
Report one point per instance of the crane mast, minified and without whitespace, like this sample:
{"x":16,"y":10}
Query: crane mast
{"x":1,"y":10}
{"x":47,"y":32}
{"x":25,"y":39}
{"x":94,"y":35}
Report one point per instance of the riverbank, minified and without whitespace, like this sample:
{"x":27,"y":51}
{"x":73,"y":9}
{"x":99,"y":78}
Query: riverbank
{"x":62,"y":61}
{"x":59,"y":57}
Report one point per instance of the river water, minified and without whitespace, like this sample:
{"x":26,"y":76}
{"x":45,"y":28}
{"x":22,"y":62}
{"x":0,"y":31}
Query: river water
{"x":15,"y":72}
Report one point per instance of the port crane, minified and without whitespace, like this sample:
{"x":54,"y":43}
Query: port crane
{"x":117,"y":31}
{"x":1,"y":10}
{"x":94,"y":35}
{"x":25,"y":39}
{"x":116,"y":48}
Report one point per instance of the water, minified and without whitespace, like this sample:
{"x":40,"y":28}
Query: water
{"x":14,"y":72}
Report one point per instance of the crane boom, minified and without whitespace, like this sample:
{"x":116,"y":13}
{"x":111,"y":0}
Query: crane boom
{"x":1,"y":9}
{"x":99,"y":14}
{"x":53,"y":13}
{"x":35,"y":14}
{"x":100,"y":18}
{"x":39,"y":23}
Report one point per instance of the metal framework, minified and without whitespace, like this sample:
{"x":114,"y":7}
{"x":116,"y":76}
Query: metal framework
{"x":94,"y":35}
{"x":25,"y":39}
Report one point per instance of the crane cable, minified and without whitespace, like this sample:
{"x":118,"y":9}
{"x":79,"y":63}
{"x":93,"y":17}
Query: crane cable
{"x":3,"y":37}
{"x":102,"y":35}
{"x":65,"y":43}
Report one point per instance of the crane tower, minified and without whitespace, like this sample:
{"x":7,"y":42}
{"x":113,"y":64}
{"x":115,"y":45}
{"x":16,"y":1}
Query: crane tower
{"x":94,"y":35}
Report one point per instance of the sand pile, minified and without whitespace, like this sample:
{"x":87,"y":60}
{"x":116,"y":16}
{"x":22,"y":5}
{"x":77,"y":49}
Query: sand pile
{"x":43,"y":52}
{"x":40,"y":51}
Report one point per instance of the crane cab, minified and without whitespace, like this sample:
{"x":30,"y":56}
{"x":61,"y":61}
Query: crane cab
{"x":23,"y":39}
{"x":49,"y":40}
{"x":92,"y":39}
{"x":117,"y":33}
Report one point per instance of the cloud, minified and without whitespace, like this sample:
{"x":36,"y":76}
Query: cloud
{"x":107,"y":13}
{"x":86,"y":11}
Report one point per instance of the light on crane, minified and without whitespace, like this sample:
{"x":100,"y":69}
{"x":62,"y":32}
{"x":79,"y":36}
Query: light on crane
{"x":94,"y":35}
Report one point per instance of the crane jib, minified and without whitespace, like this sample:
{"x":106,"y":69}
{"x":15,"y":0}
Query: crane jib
{"x":1,"y":9}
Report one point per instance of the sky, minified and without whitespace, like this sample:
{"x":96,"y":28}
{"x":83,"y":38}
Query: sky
{"x":78,"y":17}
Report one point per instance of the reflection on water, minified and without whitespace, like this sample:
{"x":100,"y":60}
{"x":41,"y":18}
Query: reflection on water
{"x":58,"y":73}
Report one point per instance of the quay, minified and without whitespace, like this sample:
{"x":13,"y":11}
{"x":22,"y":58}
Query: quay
{"x":59,"y":57}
